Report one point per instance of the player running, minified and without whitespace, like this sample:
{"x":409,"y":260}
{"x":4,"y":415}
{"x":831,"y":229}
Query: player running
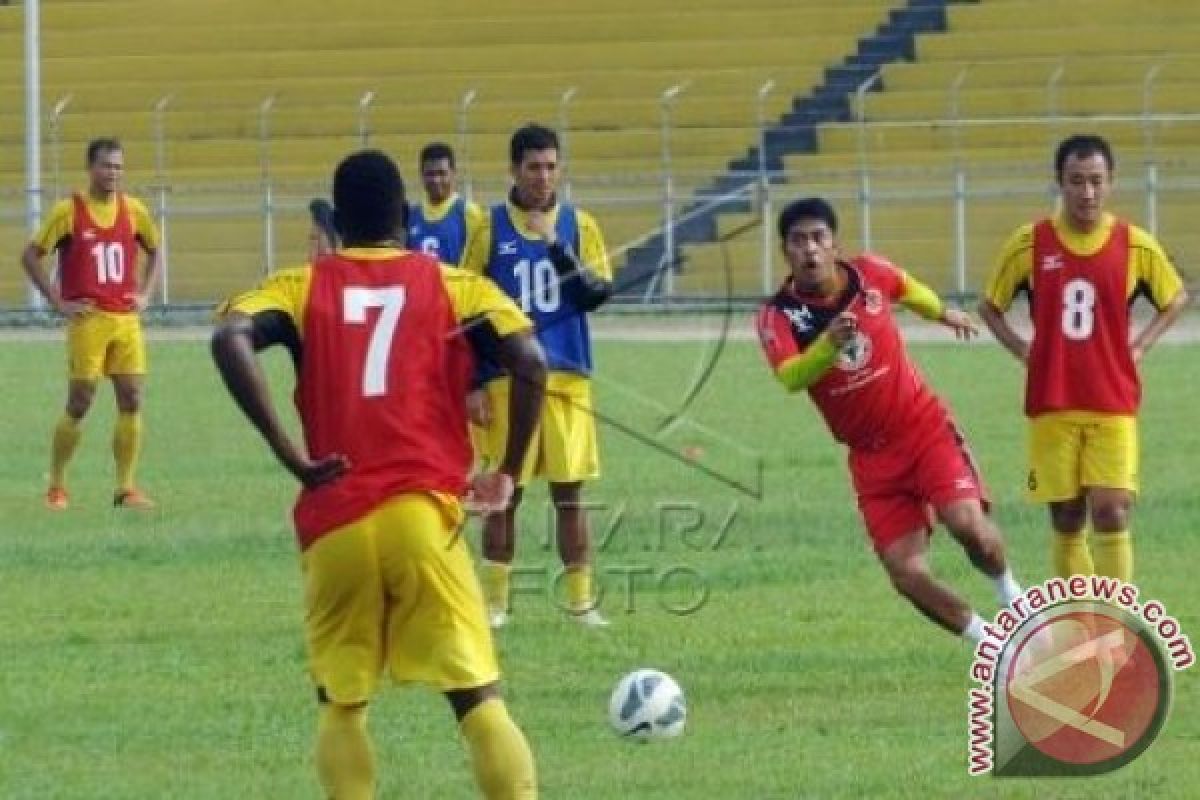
{"x":830,"y":330}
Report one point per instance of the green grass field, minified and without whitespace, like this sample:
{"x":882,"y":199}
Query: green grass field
{"x":160,"y":656}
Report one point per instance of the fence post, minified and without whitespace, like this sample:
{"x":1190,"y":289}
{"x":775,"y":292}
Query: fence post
{"x":1149,"y":146}
{"x":667,"y":102}
{"x":33,"y":133}
{"x":464,"y":161}
{"x":960,"y":187}
{"x":864,"y":171}
{"x":564,"y":127}
{"x":364,"y":123}
{"x":764,"y":186}
{"x":160,"y":178}
{"x":268,"y":194}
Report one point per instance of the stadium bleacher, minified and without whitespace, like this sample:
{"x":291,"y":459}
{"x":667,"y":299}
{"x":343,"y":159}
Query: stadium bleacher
{"x":218,"y":61}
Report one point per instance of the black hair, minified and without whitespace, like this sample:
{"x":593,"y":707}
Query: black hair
{"x":806,"y":208}
{"x":1082,"y":145}
{"x":105,"y":144}
{"x":531,"y":138}
{"x":368,"y":198}
{"x":436,"y":151}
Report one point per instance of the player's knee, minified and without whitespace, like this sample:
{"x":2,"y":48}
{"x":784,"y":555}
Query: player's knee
{"x":1070,"y":516}
{"x":908,"y":577}
{"x":129,"y":399}
{"x":79,"y":400}
{"x":1111,"y":514}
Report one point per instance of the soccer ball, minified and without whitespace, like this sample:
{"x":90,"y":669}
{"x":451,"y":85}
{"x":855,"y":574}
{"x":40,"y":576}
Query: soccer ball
{"x":647,"y":704}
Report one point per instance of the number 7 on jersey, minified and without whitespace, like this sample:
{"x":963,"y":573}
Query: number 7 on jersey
{"x":390,"y":300}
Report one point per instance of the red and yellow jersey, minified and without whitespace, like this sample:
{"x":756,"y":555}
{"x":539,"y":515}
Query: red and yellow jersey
{"x":870,"y":392}
{"x":1081,"y":288}
{"x":383,"y":371}
{"x":98,"y":244}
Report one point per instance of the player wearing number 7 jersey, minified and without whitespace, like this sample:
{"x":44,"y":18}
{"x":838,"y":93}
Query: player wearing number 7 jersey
{"x":1082,"y":270}
{"x":379,"y":336}
{"x":97,"y":235}
{"x":549,"y":256}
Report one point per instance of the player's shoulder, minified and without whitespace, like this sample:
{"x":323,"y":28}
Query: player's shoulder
{"x":1140,"y":238}
{"x":135,"y":205}
{"x":875,"y":270}
{"x":585,"y":219}
{"x":63,"y":208}
{"x":474,"y":211}
{"x":1021,"y":236}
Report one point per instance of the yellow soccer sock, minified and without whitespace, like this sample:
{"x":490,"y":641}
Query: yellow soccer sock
{"x":127,"y":442}
{"x":495,"y":584}
{"x":1071,"y":554}
{"x":500,"y":756}
{"x":579,"y":588}
{"x":66,"y":438}
{"x":1114,"y":555}
{"x":345,"y":761}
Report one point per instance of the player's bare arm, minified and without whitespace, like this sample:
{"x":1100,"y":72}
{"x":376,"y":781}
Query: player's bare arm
{"x":521,"y":356}
{"x":234,"y":345}
{"x":141,"y":299}
{"x":1162,"y":321}
{"x":997,"y":323}
{"x":586,"y":290}
{"x":31,"y":261}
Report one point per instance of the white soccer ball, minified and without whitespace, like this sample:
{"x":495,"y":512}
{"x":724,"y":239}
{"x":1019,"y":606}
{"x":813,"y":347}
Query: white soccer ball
{"x":647,"y":704}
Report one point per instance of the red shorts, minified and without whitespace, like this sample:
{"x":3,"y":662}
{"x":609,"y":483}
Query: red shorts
{"x":900,"y":485}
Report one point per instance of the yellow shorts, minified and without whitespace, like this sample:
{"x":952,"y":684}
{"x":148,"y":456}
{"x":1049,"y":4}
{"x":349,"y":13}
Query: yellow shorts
{"x":1070,"y":451}
{"x":396,"y":589}
{"x":563,"y":449}
{"x":104,"y":343}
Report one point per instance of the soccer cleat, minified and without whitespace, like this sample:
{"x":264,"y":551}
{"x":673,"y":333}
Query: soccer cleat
{"x":56,"y":498}
{"x":589,"y":618}
{"x":132,"y":498}
{"x":497,"y":618}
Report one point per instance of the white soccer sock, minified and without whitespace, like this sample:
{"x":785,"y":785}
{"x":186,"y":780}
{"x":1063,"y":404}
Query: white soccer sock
{"x":973,"y":633}
{"x":1007,"y":588}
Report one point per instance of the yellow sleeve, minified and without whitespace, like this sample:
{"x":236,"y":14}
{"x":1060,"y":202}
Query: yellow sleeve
{"x":285,"y":290}
{"x":919,"y":298}
{"x":593,"y":253}
{"x":56,"y":226}
{"x":1013,"y":268}
{"x":479,"y":242}
{"x":1153,"y":271}
{"x":804,"y":369}
{"x":143,"y":223}
{"x":473,"y":295}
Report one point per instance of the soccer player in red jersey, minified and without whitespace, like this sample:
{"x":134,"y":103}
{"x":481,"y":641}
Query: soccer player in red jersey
{"x":1082,"y":270}
{"x":98,"y":235}
{"x":380,"y":336}
{"x":830,"y":330}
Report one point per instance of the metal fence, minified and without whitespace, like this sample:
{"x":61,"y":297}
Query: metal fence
{"x":941,"y":215}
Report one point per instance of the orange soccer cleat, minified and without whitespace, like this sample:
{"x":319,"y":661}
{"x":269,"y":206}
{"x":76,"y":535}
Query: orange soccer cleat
{"x":132,"y":498}
{"x":56,"y":498}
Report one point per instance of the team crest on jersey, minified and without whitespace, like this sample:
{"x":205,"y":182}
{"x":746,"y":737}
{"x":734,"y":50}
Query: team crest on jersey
{"x":89,"y":234}
{"x":801,"y":318}
{"x":507,"y":248}
{"x":855,"y":354}
{"x":873,"y":301}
